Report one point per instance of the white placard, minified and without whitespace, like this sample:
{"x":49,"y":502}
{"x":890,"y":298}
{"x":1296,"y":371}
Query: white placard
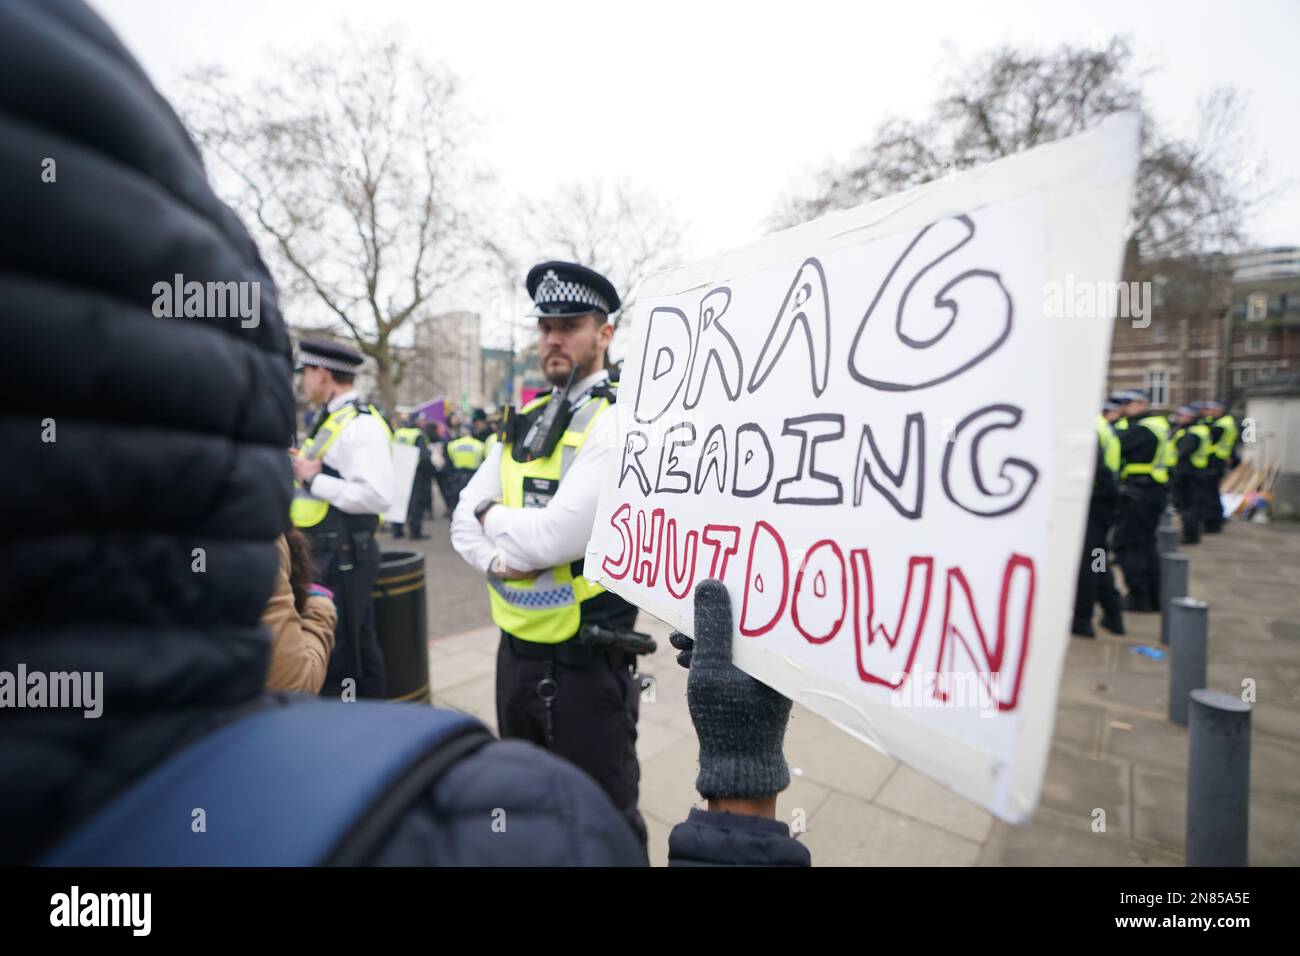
{"x":406,"y":458}
{"x":878,"y":430}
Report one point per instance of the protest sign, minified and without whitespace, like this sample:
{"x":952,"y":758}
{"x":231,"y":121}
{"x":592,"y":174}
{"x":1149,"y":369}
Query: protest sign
{"x":406,"y":458}
{"x":871,"y":429}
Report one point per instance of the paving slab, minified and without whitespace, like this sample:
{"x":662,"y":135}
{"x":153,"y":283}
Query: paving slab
{"x":917,"y":796}
{"x":1052,"y":839}
{"x":852,"y":832}
{"x":1161,"y":817}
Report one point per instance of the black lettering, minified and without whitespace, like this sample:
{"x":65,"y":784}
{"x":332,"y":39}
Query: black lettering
{"x":807,"y":303}
{"x":745,"y":458}
{"x":712,"y":308}
{"x":967,"y":438}
{"x":668,"y":366}
{"x":714,"y":459}
{"x":635,"y":468}
{"x":822,"y":428}
{"x":668,"y":456}
{"x":913,"y":436}
{"x":889,"y":358}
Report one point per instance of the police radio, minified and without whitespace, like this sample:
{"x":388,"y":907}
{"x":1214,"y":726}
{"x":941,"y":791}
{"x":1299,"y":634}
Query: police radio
{"x":547,"y":429}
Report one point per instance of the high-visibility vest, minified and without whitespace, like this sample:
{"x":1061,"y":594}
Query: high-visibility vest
{"x":546,"y":609}
{"x":1228,"y":438}
{"x":306,"y":510}
{"x":1201,"y":457}
{"x":465,"y":452}
{"x":1110,"y":447}
{"x":1156,"y":467}
{"x":406,"y":436}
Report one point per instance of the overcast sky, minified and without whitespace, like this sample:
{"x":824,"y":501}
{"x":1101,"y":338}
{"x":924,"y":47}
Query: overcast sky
{"x":724,"y":106}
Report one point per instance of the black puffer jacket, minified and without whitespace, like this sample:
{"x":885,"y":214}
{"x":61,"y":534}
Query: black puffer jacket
{"x":144,"y":470}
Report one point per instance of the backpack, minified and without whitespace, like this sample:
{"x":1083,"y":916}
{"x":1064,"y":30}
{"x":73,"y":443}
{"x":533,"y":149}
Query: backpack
{"x":312,"y":783}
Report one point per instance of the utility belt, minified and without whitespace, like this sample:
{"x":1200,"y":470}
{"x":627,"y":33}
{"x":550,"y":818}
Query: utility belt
{"x":341,"y":541}
{"x":591,"y":644}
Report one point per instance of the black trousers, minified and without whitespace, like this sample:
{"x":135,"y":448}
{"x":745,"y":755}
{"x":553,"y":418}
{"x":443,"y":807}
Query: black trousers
{"x":415,"y":515}
{"x":347,"y":564}
{"x":1189,"y":498}
{"x":1138,"y":515}
{"x":1211,"y":504}
{"x":591,"y":720}
{"x":1096,"y":586}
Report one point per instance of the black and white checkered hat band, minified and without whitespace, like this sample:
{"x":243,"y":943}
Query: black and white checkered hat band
{"x":334,"y":365}
{"x":555,"y":289}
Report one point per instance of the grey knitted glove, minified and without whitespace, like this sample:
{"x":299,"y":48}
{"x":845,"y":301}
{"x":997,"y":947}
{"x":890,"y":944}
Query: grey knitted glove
{"x":740,"y":721}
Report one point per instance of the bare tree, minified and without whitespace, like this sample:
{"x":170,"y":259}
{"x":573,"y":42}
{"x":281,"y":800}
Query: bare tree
{"x":352,"y":166}
{"x":623,"y":233}
{"x":1190,"y":197}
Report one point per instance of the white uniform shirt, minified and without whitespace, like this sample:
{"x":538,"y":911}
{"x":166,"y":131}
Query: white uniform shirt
{"x":363,"y":457}
{"x":533,"y":539}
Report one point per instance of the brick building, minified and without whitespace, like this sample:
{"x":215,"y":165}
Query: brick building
{"x":1216,"y":323}
{"x":1265,"y":318}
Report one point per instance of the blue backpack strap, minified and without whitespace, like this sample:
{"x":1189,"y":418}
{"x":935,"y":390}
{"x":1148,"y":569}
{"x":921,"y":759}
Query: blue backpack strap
{"x":314,"y":782}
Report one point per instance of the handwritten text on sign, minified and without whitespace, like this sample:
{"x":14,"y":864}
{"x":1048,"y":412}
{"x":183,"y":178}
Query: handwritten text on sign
{"x":853,"y":444}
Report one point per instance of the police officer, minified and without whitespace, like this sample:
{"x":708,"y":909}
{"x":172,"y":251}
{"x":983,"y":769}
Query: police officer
{"x":524,"y":520}
{"x":464,"y":455}
{"x":421,"y":499}
{"x":479,"y":426}
{"x":344,"y":475}
{"x":1096,"y":584}
{"x":1223,"y":443}
{"x":1143,"y":477}
{"x":1188,"y":460}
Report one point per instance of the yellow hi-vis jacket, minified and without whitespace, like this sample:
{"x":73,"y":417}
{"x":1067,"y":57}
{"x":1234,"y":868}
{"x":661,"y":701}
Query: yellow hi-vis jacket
{"x":1201,"y":457}
{"x":1156,"y":468}
{"x":1227,"y":439}
{"x":465,"y":452}
{"x":306,"y":510}
{"x":546,"y":609}
{"x":1109,"y":441}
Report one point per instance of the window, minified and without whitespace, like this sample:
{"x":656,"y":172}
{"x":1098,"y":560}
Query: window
{"x":1158,"y":296}
{"x":1157,"y":385}
{"x":1159,"y":332}
{"x":1256,"y":306}
{"x":1256,"y":344}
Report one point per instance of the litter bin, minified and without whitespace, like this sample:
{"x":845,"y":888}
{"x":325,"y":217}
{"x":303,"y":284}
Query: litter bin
{"x":402,"y":625}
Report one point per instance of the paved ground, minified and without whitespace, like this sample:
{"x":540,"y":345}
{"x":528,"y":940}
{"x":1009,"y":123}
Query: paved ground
{"x":1113,"y":746}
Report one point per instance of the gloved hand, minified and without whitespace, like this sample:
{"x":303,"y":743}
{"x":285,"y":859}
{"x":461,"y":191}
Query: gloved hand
{"x":740,"y":721}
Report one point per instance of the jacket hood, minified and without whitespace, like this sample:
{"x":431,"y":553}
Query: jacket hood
{"x":144,"y":473}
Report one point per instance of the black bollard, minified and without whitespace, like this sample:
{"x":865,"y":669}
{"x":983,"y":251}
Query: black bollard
{"x":1166,"y":540}
{"x":1173,"y":584}
{"x":1218,"y":780}
{"x":1188,"y":626}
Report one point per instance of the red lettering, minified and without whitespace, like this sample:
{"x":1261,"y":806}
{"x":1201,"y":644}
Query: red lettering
{"x":1011,"y":644}
{"x":618,"y":568}
{"x":755,"y":583}
{"x":721,"y":552}
{"x":679,"y":582}
{"x":881,"y":660}
{"x":646,"y":564}
{"x":822,"y":585}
